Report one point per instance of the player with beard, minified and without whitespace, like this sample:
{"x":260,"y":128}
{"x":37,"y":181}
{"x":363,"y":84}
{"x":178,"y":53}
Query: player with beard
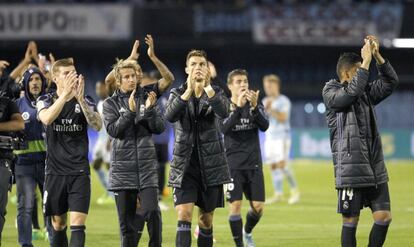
{"x":30,"y":166}
{"x":199,"y":167}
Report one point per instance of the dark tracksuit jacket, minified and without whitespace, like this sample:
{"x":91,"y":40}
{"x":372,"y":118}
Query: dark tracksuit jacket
{"x":33,"y":129}
{"x":355,"y":139}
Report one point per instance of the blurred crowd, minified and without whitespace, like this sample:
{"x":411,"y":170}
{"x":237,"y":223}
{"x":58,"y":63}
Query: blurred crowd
{"x":237,"y":3}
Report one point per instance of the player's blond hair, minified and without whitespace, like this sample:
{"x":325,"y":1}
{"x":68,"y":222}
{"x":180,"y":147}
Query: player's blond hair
{"x":64,"y":62}
{"x":124,"y":64}
{"x":272,"y":78}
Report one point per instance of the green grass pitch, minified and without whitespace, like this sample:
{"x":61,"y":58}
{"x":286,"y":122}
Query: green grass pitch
{"x":312,"y":222}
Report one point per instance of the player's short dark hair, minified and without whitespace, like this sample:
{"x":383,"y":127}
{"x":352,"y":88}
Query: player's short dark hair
{"x":235,"y":72}
{"x":196,"y":53}
{"x":346,"y":61}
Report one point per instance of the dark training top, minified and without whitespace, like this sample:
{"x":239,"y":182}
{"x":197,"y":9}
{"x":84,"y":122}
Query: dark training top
{"x":241,"y":136}
{"x":66,"y":137}
{"x":7,"y":109}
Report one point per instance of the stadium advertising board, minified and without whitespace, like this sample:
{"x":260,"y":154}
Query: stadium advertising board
{"x":332,"y":24}
{"x":222,"y":20}
{"x":314,"y":144}
{"x":74,"y":21}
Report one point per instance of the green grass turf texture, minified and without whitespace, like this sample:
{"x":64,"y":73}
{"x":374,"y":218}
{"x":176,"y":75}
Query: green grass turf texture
{"x":311,"y":222}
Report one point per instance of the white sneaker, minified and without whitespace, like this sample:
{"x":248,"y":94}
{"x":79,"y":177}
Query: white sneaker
{"x":294,"y":196}
{"x":105,"y":200}
{"x":196,"y":232}
{"x":163,"y":206}
{"x":248,"y":239}
{"x":277,"y":197}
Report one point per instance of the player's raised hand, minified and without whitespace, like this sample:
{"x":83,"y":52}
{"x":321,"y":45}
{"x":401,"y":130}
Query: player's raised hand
{"x":207,"y":78}
{"x":80,"y":89}
{"x":242,"y":99}
{"x":34,"y":51}
{"x":152,"y":98}
{"x":366,"y":54}
{"x":192,"y":79}
{"x":29,"y":51}
{"x":70,"y":83}
{"x":131,"y":101}
{"x":190,"y":86}
{"x":51,"y":58}
{"x":375,"y":49}
{"x":41,"y":62}
{"x":150,"y":42}
{"x":252,"y":97}
{"x":134,"y":52}
{"x":3,"y":65}
{"x":374,"y":42}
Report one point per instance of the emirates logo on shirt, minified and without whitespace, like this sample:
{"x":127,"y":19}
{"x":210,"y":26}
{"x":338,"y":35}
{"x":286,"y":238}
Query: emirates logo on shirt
{"x":244,"y":125}
{"x":67,"y":125}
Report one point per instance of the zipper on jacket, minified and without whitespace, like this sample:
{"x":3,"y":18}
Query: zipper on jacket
{"x":203,"y":175}
{"x":136,"y":152}
{"x":200,"y":161}
{"x":339,"y":153}
{"x":369,"y":144}
{"x":348,"y":144}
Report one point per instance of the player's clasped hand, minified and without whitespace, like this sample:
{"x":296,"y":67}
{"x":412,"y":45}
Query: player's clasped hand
{"x":80,"y":89}
{"x":374,"y":43}
{"x":242,"y":100}
{"x":152,"y":98}
{"x":131,"y":101}
{"x":70,"y":84}
{"x":366,"y":50}
{"x":134,"y":52}
{"x":150,"y":42}
{"x":252,"y":97}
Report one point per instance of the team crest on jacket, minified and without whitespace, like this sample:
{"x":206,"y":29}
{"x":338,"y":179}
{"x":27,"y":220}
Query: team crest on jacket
{"x":142,"y":111}
{"x":77,"y":108}
{"x":25,"y":116}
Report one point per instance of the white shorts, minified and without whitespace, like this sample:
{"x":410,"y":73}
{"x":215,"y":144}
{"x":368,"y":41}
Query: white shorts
{"x":277,"y":150}
{"x":100,"y":152}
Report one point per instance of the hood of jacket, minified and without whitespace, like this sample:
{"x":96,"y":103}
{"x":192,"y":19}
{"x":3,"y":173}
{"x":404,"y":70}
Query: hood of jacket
{"x":25,"y":83}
